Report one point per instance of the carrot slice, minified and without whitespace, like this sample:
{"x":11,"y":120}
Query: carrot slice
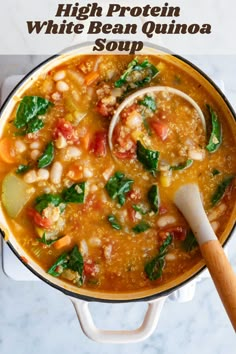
{"x":7,"y":153}
{"x":62,"y":242}
{"x":85,"y":140}
{"x":91,"y":77}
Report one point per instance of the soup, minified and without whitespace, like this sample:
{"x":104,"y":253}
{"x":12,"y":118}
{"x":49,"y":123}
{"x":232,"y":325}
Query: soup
{"x":99,"y":215}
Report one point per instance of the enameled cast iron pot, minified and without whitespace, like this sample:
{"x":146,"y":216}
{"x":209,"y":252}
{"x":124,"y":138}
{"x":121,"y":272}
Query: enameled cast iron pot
{"x":81,"y":297}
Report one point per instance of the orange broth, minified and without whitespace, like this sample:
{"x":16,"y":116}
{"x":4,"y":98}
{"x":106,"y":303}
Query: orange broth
{"x":113,"y":255}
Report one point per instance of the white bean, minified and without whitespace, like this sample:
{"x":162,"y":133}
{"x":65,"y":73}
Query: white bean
{"x":35,"y":145}
{"x":72,"y":152}
{"x":62,"y":86}
{"x":59,"y":75}
{"x":87,"y":172}
{"x":108,"y":172}
{"x":61,"y":142}
{"x":95,"y":241}
{"x":20,"y":146}
{"x":43,"y":174}
{"x":170,"y":257}
{"x":107,"y":252}
{"x":35,"y":154}
{"x":56,"y":172}
{"x":166,"y":220}
{"x":83,"y":248}
{"x":196,"y":154}
{"x":31,"y":177}
{"x":56,"y":96}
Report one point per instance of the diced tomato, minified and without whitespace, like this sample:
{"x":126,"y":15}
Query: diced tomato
{"x":160,"y":128}
{"x":162,"y":210}
{"x":177,"y":232}
{"x":90,"y":268}
{"x":39,"y":220}
{"x":65,"y":129}
{"x":116,"y":133}
{"x":134,"y":194}
{"x":99,"y":144}
{"x":92,"y":203}
{"x":131,"y":214}
{"x":126,"y":155}
{"x":104,"y":109}
{"x":126,"y":112}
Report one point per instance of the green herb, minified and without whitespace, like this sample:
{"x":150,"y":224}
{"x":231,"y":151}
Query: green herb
{"x":74,"y":194}
{"x":220,"y":191}
{"x":117,"y":187}
{"x":148,"y":158}
{"x":114,"y":222}
{"x":47,"y":157}
{"x":76,"y":262}
{"x":61,"y":263}
{"x":148,"y":70}
{"x":148,"y":102}
{"x":190,"y":242}
{"x":215,"y":172}
{"x":182,"y":166}
{"x":154,"y":198}
{"x":42,"y":201}
{"x":155,"y":267}
{"x":216,"y":133}
{"x":139,"y":209}
{"x":27,"y":114}
{"x":147,"y":126}
{"x":71,"y":260}
{"x":22,"y":169}
{"x":141,"y":227}
{"x":33,"y":126}
{"x":45,"y":241}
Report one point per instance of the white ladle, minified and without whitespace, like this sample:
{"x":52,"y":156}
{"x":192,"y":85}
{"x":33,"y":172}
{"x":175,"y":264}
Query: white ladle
{"x":188,"y":201}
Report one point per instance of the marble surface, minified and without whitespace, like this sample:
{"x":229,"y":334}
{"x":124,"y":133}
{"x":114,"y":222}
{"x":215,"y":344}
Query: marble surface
{"x":35,"y":318}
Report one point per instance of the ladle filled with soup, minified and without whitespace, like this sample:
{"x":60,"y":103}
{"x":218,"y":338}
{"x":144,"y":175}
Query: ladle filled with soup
{"x":101,"y":216}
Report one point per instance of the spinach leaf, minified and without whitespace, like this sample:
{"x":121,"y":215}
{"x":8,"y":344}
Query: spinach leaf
{"x":149,"y":71}
{"x":45,"y":241}
{"x":190,"y":242}
{"x":22,"y":169}
{"x":182,"y":166}
{"x":70,"y":260}
{"x":74,"y":194}
{"x":114,"y":222}
{"x":148,"y":102}
{"x":148,"y":158}
{"x":155,"y":267}
{"x":61,"y":263}
{"x":76,"y":262}
{"x":117,"y":187}
{"x":141,"y":227}
{"x":47,"y":157}
{"x":42,"y":201}
{"x":154,"y":198}
{"x":139,"y":209}
{"x":220,"y":191}
{"x":28,"y":111}
{"x":34,"y":125}
{"x":216,"y":132}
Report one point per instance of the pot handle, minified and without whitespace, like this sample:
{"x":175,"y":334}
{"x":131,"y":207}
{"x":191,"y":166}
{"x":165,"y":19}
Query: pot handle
{"x":118,"y":336}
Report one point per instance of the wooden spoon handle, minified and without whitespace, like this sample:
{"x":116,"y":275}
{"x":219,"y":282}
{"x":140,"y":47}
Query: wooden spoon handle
{"x":222,"y":275}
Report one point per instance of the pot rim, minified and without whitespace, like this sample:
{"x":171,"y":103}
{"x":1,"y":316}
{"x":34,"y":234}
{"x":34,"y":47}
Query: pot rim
{"x":91,"y":298}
